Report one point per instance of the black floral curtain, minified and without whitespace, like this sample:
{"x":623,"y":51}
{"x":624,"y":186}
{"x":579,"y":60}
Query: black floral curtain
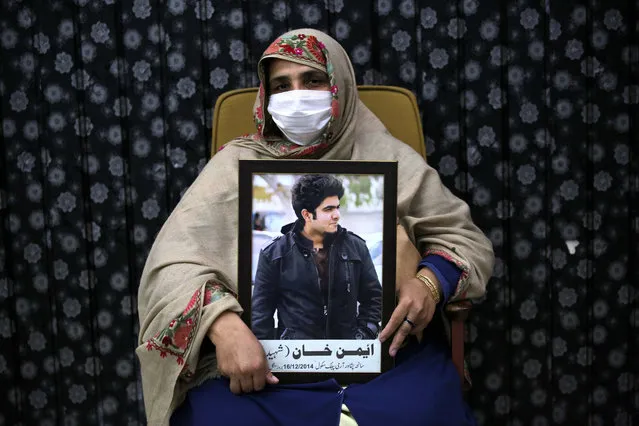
{"x":530,"y":113}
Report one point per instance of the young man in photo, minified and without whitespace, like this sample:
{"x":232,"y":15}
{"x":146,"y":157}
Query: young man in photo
{"x":317,"y":276}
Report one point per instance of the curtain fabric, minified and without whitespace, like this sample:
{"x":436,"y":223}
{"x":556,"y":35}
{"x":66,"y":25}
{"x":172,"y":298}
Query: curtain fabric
{"x":530,"y":111}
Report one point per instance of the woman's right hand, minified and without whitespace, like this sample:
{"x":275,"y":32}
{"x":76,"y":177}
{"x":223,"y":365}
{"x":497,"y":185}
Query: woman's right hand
{"x":240,"y":356}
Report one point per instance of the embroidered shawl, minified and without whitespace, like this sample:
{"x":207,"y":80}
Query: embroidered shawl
{"x":190,"y":276}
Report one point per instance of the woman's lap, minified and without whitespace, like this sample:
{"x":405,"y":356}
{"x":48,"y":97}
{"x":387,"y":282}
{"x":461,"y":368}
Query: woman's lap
{"x":423,"y":389}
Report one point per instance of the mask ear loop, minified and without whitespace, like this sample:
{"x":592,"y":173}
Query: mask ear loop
{"x":262,"y":118}
{"x":327,"y":136}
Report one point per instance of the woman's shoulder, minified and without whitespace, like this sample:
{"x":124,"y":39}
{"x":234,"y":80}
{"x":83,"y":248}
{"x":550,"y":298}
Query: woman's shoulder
{"x":383,"y":146}
{"x":234,"y":151}
{"x":225,"y":160}
{"x":218,"y":180}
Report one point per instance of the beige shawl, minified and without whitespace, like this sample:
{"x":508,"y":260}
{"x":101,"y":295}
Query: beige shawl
{"x":190,"y":275}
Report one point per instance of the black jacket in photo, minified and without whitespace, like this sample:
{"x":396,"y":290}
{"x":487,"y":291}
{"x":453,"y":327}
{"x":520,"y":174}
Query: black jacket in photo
{"x":287,"y":281}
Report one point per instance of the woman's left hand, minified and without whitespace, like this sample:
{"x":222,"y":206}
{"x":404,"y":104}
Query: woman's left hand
{"x":414,"y":311}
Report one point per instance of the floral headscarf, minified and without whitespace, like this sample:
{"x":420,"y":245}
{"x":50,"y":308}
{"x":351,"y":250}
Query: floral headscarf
{"x":304,"y":50}
{"x":317,"y":50}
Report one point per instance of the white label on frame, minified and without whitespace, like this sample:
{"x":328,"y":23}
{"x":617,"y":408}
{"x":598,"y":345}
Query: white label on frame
{"x":323,"y":356}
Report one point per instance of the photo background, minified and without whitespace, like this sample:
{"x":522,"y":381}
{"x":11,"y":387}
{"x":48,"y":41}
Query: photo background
{"x":361,"y":210}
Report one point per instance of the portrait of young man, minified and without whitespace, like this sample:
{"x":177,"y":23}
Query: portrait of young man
{"x":318,"y":277}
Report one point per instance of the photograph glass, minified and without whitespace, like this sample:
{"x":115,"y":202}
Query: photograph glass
{"x":320,"y":239}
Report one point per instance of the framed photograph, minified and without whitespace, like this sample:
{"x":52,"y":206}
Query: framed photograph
{"x":317,"y":265}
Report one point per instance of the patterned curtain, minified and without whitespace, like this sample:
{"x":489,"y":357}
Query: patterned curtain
{"x":530,"y":112}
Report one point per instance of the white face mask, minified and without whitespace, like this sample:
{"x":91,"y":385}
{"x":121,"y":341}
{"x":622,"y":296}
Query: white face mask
{"x":302,"y":115}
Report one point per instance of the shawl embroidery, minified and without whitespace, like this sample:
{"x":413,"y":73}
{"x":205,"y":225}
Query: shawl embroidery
{"x":176,"y":338}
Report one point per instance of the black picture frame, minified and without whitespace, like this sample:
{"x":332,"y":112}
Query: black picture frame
{"x":363,"y":365}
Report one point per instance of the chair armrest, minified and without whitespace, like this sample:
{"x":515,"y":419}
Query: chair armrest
{"x":458,"y":313}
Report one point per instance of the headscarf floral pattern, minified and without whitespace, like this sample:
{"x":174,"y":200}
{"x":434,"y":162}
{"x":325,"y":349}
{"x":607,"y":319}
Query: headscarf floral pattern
{"x":307,"y":50}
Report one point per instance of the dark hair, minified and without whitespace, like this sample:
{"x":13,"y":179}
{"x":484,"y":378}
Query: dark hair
{"x":310,"y":190}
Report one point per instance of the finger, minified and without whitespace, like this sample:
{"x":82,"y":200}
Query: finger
{"x":429,"y":316}
{"x":395,"y":321}
{"x":235,"y":386}
{"x":425,"y":318}
{"x":246,"y":382}
{"x":258,"y":381}
{"x":401,"y":334}
{"x":271,"y":379}
{"x":419,"y":327}
{"x":421,"y":322}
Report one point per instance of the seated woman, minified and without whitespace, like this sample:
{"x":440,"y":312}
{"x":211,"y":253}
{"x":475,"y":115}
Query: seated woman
{"x":201,"y":365}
